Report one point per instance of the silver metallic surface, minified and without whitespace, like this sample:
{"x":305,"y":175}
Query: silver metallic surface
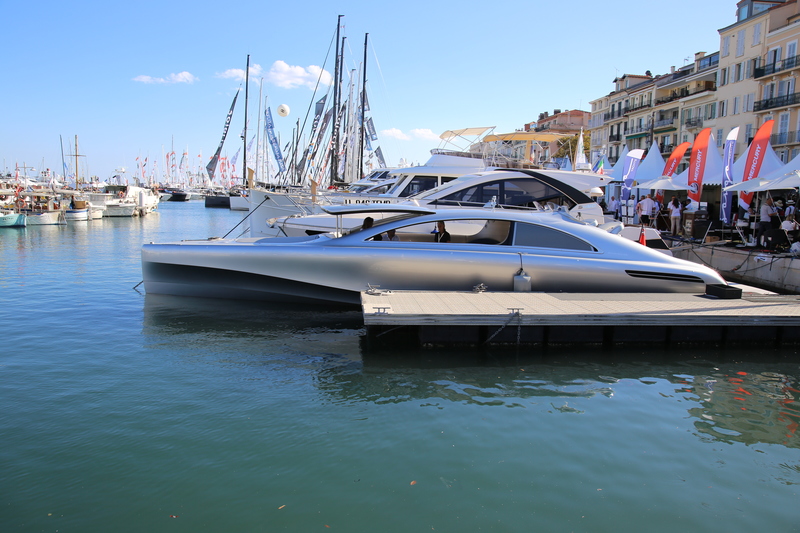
{"x":562,"y":254}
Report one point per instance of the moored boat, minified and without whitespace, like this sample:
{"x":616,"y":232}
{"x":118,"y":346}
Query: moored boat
{"x":9,"y":219}
{"x":484,"y":246}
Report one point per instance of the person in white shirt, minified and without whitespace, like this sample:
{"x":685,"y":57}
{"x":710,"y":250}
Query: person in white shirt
{"x":675,"y":210}
{"x":791,"y":227}
{"x":613,"y":206}
{"x":767,"y":211}
{"x":646,"y":208}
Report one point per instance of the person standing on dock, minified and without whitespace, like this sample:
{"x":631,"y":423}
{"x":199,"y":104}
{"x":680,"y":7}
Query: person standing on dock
{"x":766,"y":213}
{"x":646,"y":209}
{"x":675,"y":210}
{"x":613,"y":206}
{"x":790,"y":209}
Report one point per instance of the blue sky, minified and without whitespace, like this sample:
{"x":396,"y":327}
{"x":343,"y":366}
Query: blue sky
{"x":134,"y":79}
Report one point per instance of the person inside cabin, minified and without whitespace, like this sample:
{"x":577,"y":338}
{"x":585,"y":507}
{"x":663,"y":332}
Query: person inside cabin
{"x":368,"y":223}
{"x":391,"y":235}
{"x":441,"y":234}
{"x":675,"y":210}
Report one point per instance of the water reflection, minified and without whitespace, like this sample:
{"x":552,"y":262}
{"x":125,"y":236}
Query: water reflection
{"x":732,"y":397}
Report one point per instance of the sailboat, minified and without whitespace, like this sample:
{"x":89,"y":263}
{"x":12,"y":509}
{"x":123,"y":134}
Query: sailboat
{"x":581,"y":164}
{"x":79,"y":207}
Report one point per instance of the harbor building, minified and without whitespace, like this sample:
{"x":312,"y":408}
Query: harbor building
{"x":776,"y":72}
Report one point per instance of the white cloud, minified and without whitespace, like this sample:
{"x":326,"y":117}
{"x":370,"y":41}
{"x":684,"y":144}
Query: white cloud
{"x":288,"y":77}
{"x":415,"y":134}
{"x":425,"y":134}
{"x":394,"y":133}
{"x":238,"y":73}
{"x":180,"y":77}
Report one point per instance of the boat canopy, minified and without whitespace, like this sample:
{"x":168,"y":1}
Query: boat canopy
{"x":526,"y":136}
{"x":449,"y":134}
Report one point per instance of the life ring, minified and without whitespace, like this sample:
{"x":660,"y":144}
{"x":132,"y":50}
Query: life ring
{"x":21,"y":203}
{"x":121,"y":194}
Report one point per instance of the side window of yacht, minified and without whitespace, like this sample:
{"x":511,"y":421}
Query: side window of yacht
{"x":538,"y":236}
{"x":523,"y":192}
{"x":419,"y":184}
{"x":479,"y":231}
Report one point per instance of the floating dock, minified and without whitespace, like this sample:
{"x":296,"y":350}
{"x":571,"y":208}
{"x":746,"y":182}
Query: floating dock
{"x":538,"y":318}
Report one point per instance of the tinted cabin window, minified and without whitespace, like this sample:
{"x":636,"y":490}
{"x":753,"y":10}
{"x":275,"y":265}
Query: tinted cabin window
{"x":544,"y":237}
{"x":517,"y":192}
{"x":419,"y":184}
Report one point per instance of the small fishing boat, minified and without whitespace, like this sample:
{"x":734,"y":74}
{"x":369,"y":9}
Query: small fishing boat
{"x":9,"y":219}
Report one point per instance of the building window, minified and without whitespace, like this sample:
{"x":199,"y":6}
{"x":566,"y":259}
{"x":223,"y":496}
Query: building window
{"x":722,"y":110}
{"x":757,"y":34}
{"x":719,"y":138}
{"x":738,"y":76}
{"x":726,"y":46}
{"x":735,"y":106}
{"x":748,"y":102}
{"x":748,"y":132}
{"x":722,"y":76}
{"x":773,"y":56}
{"x":740,"y":43}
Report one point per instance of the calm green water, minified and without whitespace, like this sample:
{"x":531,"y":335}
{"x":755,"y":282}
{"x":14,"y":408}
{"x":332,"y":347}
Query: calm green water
{"x":124,"y":412}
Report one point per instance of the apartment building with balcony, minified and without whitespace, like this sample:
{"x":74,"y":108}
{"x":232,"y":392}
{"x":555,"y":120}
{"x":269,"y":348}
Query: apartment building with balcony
{"x":596,"y":130}
{"x":609,"y":123}
{"x":666,"y":109}
{"x":776,"y":74}
{"x":686,"y":102}
{"x":742,"y":44}
{"x":569,"y":122}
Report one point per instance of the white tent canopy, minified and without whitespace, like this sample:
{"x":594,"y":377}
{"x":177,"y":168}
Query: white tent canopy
{"x":663,"y":183}
{"x":616,"y":170}
{"x":652,"y":166}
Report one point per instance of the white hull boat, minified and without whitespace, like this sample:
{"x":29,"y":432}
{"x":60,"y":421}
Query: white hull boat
{"x":45,"y":218}
{"x":77,"y":214}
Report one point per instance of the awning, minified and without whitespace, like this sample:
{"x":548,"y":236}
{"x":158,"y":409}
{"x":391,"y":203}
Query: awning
{"x":527,"y":136}
{"x":449,"y":134}
{"x":664,"y":130}
{"x":636,"y":136}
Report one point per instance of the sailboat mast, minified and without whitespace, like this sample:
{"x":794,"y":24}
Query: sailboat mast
{"x":245,"y":178}
{"x":360,"y":173}
{"x":77,"y":174}
{"x":259,"y":154}
{"x":63,"y":164}
{"x":336,"y":96}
